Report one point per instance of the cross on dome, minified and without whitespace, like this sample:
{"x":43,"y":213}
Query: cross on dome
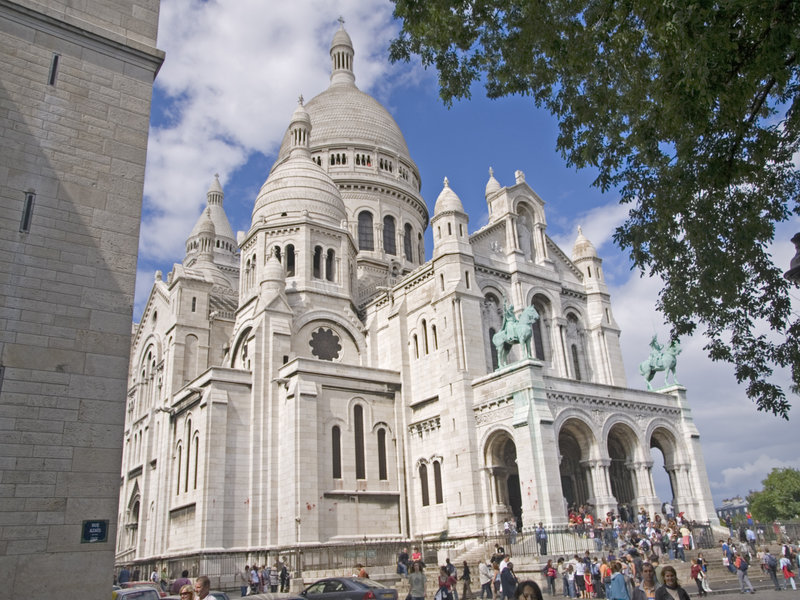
{"x":341,"y":21}
{"x":300,"y":100}
{"x":446,"y":182}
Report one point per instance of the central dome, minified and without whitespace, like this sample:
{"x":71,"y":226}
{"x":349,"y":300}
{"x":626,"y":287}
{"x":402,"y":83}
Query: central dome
{"x":343,"y":115}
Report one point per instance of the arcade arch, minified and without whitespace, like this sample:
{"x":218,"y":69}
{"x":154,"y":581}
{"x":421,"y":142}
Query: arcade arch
{"x":500,"y":458}
{"x":576,"y":446}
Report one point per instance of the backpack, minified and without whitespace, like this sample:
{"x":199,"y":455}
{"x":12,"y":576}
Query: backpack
{"x":772,"y":563}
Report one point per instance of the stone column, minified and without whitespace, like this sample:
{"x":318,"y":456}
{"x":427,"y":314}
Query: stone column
{"x":603,"y":500}
{"x":645,"y":490}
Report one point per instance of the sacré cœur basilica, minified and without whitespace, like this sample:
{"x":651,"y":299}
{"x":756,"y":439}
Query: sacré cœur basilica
{"x":318,"y":380}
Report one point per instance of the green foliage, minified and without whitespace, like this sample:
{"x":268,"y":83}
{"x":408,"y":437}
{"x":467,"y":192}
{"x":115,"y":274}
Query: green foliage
{"x":780,"y":498}
{"x":690,"y":110}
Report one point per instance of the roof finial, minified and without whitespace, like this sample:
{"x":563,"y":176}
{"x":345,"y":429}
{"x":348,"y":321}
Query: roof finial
{"x":491,"y":172}
{"x":446,"y":182}
{"x":300,"y":100}
{"x":341,"y":21}
{"x":580,"y":231}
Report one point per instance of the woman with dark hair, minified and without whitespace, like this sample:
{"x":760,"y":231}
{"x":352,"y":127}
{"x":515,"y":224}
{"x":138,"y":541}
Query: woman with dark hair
{"x":671,"y":590}
{"x":446,"y":583}
{"x":528,"y":590}
{"x":550,"y":573}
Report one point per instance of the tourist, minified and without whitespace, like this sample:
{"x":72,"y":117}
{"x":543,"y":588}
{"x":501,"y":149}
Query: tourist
{"x":466,"y":591}
{"x":788,"y":575}
{"x":541,"y":538}
{"x":671,"y":588}
{"x":202,"y":586}
{"x":285,"y":576}
{"x":186,"y":592}
{"x":770,"y":565}
{"x":181,"y":581}
{"x":274,"y":577}
{"x":697,"y":574}
{"x":647,"y":589}
{"x":244,"y":580}
{"x":741,"y":565}
{"x":485,"y":579}
{"x":416,"y":582}
{"x":528,"y":590}
{"x":550,"y":573}
{"x":446,"y":584}
{"x":508,"y":581}
{"x":402,"y":562}
{"x":618,"y":589}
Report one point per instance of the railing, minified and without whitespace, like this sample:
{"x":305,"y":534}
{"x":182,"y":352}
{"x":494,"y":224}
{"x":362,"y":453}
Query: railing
{"x":343,"y":557}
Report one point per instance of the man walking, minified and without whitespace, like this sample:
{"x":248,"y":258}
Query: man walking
{"x":770,"y":565}
{"x":741,"y":566}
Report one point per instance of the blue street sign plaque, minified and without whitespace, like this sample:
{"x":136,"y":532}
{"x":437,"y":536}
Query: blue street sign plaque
{"x":94,"y":531}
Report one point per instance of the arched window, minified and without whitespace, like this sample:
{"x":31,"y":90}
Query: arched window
{"x":188,"y":456}
{"x":437,"y":481}
{"x":389,"y":245}
{"x":407,"y":249}
{"x":178,"y":472}
{"x":382,"y":475}
{"x":358,"y":426}
{"x":336,"y":452}
{"x":435,"y":337}
{"x":424,"y":336}
{"x":330,"y":265}
{"x":576,"y":364}
{"x":290,"y":260}
{"x":537,"y":329}
{"x":196,"y":458}
{"x":423,"y":484}
{"x":365,"y":237}
{"x":416,"y":346}
{"x":317,"y":267}
{"x":420,"y":248}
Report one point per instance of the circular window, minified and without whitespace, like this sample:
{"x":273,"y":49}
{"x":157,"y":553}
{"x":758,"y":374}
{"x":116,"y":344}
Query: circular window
{"x":325,"y":344}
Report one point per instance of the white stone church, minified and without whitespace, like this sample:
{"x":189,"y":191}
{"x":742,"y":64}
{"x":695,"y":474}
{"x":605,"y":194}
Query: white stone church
{"x":318,"y":380}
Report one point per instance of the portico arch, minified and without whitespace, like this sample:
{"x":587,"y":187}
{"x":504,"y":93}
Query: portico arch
{"x":576,"y":446}
{"x":663,"y":440}
{"x":624,"y":471}
{"x":500,"y":458}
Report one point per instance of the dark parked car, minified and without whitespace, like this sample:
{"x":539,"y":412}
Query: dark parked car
{"x":348,"y":588}
{"x":135,"y":593}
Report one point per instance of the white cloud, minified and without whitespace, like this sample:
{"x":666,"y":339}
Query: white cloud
{"x":748,"y":476}
{"x":232,"y":75}
{"x":597,"y":224}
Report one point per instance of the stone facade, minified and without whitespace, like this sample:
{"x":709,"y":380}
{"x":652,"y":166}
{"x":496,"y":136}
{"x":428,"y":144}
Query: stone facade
{"x":74,"y":114}
{"x":337,"y":386}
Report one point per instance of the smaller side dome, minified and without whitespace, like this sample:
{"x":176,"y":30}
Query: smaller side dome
{"x":492,"y":185}
{"x":447,"y":200}
{"x":583,"y":248}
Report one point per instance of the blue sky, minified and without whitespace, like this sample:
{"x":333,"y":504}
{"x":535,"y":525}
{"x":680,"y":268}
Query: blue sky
{"x":221,"y":104}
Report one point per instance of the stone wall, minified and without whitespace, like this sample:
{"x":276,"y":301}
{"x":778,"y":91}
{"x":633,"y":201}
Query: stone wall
{"x":75,"y":92}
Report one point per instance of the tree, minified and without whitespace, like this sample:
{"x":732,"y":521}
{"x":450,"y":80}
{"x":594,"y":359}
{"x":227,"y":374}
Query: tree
{"x":689,"y":110}
{"x":780,"y":498}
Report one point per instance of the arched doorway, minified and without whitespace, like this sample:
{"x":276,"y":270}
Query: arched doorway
{"x":621,"y":450}
{"x":662,"y":442}
{"x":575,"y":443}
{"x":501,"y":462}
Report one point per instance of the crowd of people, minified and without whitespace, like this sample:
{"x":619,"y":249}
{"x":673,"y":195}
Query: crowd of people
{"x":738,"y":559}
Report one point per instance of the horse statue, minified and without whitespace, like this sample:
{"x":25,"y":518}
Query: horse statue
{"x":661,"y":359}
{"x":514,"y":331}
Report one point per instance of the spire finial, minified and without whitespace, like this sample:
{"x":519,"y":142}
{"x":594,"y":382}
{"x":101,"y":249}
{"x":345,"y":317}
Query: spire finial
{"x":216,"y":175}
{"x":580,"y":231}
{"x":491,"y":172}
{"x":300,"y":99}
{"x":446,"y":182}
{"x":341,"y":21}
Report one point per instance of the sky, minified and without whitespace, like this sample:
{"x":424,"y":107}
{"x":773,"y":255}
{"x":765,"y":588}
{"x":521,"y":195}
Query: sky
{"x":221,"y":104}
